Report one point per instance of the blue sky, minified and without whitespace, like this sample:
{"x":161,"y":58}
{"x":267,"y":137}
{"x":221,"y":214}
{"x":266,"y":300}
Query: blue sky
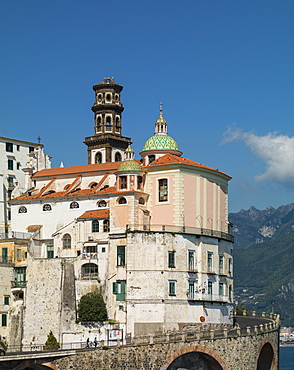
{"x":223,"y":70}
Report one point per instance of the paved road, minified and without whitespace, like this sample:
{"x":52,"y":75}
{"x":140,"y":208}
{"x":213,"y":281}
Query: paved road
{"x":244,"y":321}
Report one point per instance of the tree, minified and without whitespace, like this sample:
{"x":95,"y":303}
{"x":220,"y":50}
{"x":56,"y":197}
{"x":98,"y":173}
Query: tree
{"x":92,"y":308}
{"x":51,"y":342}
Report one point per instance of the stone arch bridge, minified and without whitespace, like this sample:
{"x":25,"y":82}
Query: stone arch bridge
{"x":252,"y":344}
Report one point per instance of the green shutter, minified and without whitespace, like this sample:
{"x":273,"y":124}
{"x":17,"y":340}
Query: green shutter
{"x":114,"y":288}
{"x":121,"y":291}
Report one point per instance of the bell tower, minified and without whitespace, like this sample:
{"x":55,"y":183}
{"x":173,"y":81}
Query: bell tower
{"x":107,"y":144}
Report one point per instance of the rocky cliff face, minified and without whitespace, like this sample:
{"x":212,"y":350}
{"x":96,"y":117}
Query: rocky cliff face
{"x":254,"y":226}
{"x":264,"y":259}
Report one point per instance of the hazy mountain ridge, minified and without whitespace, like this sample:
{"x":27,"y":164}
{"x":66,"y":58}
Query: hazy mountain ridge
{"x":264,"y":259}
{"x":253,"y":226}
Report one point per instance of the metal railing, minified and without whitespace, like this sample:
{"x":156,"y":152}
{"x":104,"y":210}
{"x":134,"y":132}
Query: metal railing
{"x":180,"y":230}
{"x":18,"y":284}
{"x":15,"y":235}
{"x":199,"y":333}
{"x":90,"y":255}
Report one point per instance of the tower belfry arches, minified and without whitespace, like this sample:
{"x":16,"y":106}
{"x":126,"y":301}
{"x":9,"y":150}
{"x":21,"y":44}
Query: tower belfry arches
{"x":107,"y":142}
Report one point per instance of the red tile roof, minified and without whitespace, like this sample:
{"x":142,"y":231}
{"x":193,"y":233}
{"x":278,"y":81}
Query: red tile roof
{"x":32,"y":228}
{"x":169,"y":159}
{"x":99,"y":213}
{"x":109,"y":166}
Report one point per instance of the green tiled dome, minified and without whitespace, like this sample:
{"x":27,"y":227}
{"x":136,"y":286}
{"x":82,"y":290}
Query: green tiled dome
{"x":160,"y":142}
{"x":129,"y":165}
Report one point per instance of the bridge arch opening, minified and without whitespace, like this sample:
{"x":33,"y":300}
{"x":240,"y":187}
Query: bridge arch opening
{"x":195,"y":361}
{"x":195,"y":358}
{"x":30,"y":365}
{"x":266,"y":358}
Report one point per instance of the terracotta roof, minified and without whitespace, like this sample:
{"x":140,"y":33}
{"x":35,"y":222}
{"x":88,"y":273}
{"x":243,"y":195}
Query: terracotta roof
{"x":109,"y":166}
{"x":174,"y":159}
{"x":100,"y":213}
{"x":32,"y":228}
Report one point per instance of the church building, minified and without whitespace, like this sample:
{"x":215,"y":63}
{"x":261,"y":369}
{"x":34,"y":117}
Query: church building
{"x":151,"y":235}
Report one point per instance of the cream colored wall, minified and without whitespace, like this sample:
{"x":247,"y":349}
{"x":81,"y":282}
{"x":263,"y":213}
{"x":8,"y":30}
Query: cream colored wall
{"x":147,"y":268}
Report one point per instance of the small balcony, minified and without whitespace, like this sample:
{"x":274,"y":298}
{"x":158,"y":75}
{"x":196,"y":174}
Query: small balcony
{"x":90,"y":255}
{"x":89,"y":276}
{"x":18,"y":285}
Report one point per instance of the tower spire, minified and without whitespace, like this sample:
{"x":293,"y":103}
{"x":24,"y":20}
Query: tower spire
{"x":107,"y":144}
{"x":160,"y":124}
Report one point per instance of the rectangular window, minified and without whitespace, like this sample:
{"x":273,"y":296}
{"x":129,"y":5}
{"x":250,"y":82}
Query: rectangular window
{"x":191,"y":290}
{"x":121,"y":255}
{"x":221,"y":288}
{"x":119,"y":288}
{"x":139,"y":182}
{"x":171,"y":259}
{"x":209,"y":261}
{"x":162,"y":190}
{"x":10,"y":181}
{"x":10,"y":164}
{"x":171,"y":287}
{"x":4,"y":319}
{"x":50,"y":251}
{"x":230,"y":266}
{"x":18,"y":165}
{"x":221,"y":264}
{"x":18,"y":254}
{"x":6,"y":300}
{"x":18,"y":148}
{"x":210,"y":287}
{"x":20,"y":274}
{"x":230,"y":293}
{"x":31,"y":149}
{"x":103,"y":249}
{"x":123,"y":182}
{"x":9,"y":147}
{"x":191,"y":262}
{"x":4,"y":255}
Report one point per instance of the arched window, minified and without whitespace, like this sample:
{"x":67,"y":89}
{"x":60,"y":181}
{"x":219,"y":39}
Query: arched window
{"x":22,"y":209}
{"x":89,"y":271}
{"x":122,"y":200}
{"x":141,"y":201}
{"x":98,"y":157}
{"x":108,"y":123}
{"x":106,"y":227}
{"x":47,"y":207}
{"x":117,"y":157}
{"x":74,"y":205}
{"x":66,"y":187}
{"x":92,"y":185}
{"x":95,"y":226}
{"x":102,"y":203}
{"x":66,"y":241}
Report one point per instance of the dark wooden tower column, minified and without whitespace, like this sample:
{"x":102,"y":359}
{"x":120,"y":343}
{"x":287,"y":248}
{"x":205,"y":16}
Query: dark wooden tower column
{"x":107,"y":144}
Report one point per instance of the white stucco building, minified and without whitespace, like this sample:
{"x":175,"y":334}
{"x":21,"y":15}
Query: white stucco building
{"x":151,"y":235}
{"x":17,"y":158}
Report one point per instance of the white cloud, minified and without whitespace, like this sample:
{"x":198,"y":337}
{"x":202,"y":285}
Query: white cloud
{"x":276,"y":150}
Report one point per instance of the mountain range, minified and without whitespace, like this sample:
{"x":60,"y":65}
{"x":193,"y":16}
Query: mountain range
{"x":264,"y":260}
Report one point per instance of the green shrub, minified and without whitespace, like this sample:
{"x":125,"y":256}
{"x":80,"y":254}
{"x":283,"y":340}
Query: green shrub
{"x":92,"y":308}
{"x":51,"y":342}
